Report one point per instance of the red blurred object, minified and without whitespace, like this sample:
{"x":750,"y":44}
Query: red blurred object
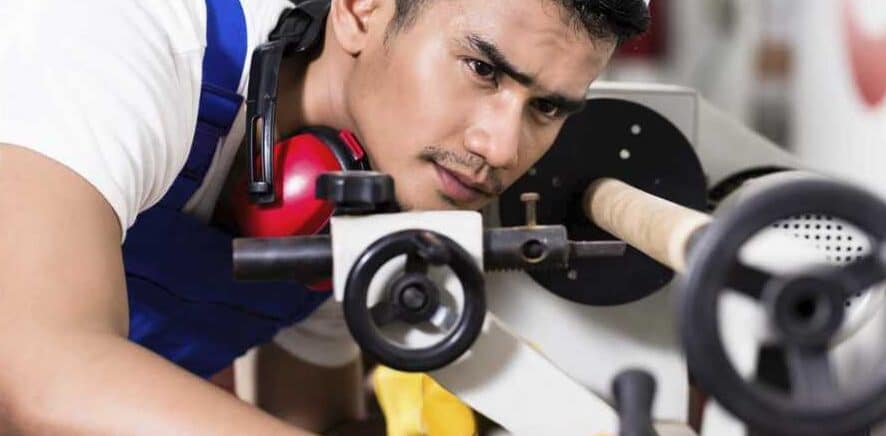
{"x":867,"y":58}
{"x":298,"y":161}
{"x":652,"y":44}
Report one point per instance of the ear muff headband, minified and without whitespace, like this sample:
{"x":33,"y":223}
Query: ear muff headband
{"x":298,"y":31}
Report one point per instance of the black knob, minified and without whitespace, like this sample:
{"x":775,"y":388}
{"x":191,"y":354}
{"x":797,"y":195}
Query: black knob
{"x":357,"y":192}
{"x":634,"y":391}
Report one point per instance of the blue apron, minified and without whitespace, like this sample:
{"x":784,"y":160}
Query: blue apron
{"x":183,"y":301}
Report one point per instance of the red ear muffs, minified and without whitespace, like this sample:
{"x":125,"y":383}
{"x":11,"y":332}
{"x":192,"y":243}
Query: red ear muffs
{"x":298,"y":161}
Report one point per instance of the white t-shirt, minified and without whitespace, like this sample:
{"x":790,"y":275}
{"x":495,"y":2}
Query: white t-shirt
{"x":110,"y":88}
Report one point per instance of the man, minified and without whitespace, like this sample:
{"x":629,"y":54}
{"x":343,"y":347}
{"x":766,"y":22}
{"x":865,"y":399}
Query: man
{"x":98,"y":99}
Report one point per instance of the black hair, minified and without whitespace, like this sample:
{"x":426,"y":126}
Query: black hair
{"x":617,"y":20}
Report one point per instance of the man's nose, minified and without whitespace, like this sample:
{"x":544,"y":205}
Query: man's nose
{"x":496,"y":137}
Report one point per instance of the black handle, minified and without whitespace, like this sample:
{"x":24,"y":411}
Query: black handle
{"x":634,"y":391}
{"x":304,"y":259}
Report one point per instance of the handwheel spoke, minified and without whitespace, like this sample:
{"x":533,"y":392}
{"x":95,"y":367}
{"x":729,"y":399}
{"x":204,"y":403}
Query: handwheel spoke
{"x":432,"y":249}
{"x":863,"y":274}
{"x":812,"y":376}
{"x":748,"y":280}
{"x":384,"y":313}
{"x":415,"y":264}
{"x":443,"y":319}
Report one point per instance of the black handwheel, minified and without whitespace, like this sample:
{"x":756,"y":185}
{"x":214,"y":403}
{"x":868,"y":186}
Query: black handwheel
{"x":413,"y":298}
{"x":805,"y":310}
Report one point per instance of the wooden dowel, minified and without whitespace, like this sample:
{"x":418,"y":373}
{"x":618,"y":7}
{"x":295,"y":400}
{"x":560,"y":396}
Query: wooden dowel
{"x":657,"y":227}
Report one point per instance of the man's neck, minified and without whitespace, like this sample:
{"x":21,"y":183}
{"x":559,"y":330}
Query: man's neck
{"x":310,"y":94}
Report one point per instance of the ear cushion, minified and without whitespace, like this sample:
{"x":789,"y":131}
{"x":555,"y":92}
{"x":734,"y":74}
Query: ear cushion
{"x":297,"y":161}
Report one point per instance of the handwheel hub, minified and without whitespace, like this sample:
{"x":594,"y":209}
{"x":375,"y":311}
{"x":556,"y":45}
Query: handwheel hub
{"x":417,"y":296}
{"x":805,"y":310}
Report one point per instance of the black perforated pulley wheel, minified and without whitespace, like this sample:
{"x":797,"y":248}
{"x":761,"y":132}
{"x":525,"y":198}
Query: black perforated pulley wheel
{"x":803,"y":310}
{"x":420,"y":246}
{"x":622,"y":140}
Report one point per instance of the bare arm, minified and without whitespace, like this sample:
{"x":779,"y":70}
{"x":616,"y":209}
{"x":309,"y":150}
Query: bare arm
{"x":310,"y":396}
{"x":67,"y":367}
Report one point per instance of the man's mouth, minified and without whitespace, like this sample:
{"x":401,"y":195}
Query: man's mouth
{"x":459,"y":187}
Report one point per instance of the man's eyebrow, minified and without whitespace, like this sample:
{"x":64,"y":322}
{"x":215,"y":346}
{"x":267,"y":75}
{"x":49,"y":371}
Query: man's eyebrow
{"x":498,"y":60}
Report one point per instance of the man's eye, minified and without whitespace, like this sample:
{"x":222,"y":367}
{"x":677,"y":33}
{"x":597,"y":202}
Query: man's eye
{"x":547,"y":108}
{"x":482,"y":69}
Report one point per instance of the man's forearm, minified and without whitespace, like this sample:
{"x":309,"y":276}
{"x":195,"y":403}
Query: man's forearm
{"x":81,"y":383}
{"x":65,"y":364}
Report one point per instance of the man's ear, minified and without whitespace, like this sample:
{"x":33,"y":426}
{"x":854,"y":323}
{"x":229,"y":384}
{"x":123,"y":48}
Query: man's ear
{"x":351,"y":21}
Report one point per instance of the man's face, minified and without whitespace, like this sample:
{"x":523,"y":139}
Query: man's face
{"x":459,"y":105}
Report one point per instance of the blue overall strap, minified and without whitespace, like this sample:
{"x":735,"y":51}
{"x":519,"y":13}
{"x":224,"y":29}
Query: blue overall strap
{"x":183,"y":302}
{"x":223,"y":64}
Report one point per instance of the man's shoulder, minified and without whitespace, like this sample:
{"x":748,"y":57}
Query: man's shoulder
{"x":185,"y":21}
{"x":119,"y":82}
{"x":262,"y":16}
{"x":188,"y":19}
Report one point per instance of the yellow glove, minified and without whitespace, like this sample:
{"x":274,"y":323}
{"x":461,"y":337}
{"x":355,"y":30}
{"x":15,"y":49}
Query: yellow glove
{"x":415,"y":405}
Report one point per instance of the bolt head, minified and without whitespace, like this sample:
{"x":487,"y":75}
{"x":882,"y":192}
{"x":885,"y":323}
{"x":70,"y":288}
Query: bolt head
{"x":529,"y":196}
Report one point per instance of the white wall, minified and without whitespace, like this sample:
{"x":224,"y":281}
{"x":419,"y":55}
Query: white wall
{"x":835,"y":128}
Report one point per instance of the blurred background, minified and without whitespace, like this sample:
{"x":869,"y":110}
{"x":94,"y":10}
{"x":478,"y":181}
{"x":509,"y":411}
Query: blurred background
{"x":808,"y":74}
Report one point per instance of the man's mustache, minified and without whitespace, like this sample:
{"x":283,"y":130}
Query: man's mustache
{"x":467,"y":163}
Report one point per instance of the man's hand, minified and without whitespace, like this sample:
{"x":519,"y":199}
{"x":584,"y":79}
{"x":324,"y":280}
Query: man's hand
{"x":309,"y":396}
{"x":68,"y":367}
